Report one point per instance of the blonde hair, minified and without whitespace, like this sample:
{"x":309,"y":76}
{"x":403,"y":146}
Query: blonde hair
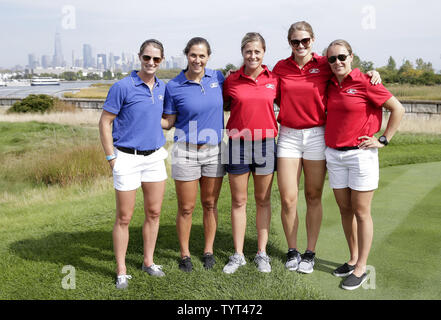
{"x":340,"y":42}
{"x":251,"y":37}
{"x":300,"y":26}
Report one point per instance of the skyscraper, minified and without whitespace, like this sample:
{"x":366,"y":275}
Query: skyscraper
{"x":101,"y":61}
{"x":87,"y":56}
{"x":57,"y":60}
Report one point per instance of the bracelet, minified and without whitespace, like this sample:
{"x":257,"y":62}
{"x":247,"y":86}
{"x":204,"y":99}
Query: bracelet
{"x":111,"y":157}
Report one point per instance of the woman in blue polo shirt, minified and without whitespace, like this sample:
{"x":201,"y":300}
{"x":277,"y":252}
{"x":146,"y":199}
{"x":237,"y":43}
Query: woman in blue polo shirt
{"x":194,"y":105}
{"x":132,"y":139}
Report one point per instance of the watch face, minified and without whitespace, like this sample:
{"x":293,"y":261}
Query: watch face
{"x":383,"y":140}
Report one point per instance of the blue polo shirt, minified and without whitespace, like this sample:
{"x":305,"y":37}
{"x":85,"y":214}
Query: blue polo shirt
{"x":198,"y":107}
{"x":139,"y":112}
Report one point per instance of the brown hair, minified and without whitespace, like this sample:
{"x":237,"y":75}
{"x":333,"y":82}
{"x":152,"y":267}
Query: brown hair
{"x":301,"y":26}
{"x":153,"y":42}
{"x":340,"y":42}
{"x":251,"y":37}
{"x":196,"y":41}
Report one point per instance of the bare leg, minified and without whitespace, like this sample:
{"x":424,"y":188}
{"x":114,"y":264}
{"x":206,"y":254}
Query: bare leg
{"x":288,"y":177}
{"x":153,"y":196}
{"x":239,"y":197}
{"x":125,"y":204}
{"x":315,"y":172}
{"x":361,"y":205}
{"x":210,"y":190}
{"x":186,"y":192}
{"x":343,"y":197}
{"x":262,"y":195}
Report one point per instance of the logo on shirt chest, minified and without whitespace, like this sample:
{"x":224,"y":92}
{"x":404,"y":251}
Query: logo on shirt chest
{"x":314,"y":70}
{"x":351,"y":91}
{"x":214,"y":85}
{"x":270,"y":86}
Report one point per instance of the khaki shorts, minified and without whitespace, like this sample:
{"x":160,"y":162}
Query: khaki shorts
{"x":191,"y":163}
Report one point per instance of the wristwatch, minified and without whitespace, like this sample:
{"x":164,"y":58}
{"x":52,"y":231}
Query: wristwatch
{"x":383,"y":140}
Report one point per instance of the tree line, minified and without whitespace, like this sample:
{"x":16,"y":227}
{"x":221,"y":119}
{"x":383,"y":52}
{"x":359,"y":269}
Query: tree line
{"x":418,"y":73}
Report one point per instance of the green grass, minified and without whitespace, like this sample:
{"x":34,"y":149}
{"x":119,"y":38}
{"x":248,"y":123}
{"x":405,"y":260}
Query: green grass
{"x":44,"y":228}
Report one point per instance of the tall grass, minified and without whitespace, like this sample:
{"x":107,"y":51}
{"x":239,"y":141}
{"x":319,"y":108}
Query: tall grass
{"x":79,"y":164}
{"x":412,"y":92}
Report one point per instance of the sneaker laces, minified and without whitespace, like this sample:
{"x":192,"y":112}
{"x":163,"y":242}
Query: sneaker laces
{"x":263,"y":257}
{"x":308,"y":255}
{"x":124,"y":277}
{"x":156,"y":267}
{"x":292,"y":254}
{"x":235,"y":259}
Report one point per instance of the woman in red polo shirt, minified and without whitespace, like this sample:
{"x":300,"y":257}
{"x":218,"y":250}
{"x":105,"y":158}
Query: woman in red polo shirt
{"x":354,"y":114}
{"x":301,"y":144}
{"x":252,"y":127}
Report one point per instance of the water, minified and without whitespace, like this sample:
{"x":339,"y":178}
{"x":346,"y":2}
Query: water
{"x":65,"y":86}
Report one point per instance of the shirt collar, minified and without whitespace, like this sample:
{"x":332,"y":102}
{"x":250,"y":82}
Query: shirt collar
{"x":265,"y":71}
{"x":315,"y":57}
{"x":355,"y":73}
{"x":137,"y":81}
{"x":183,"y":79}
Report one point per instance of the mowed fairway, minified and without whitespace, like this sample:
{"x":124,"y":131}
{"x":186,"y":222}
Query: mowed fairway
{"x":46,"y":228}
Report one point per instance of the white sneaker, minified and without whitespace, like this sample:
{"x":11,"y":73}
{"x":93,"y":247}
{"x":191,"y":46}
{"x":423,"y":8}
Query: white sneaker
{"x":306,"y":265}
{"x":237,"y":260}
{"x":153,"y":270}
{"x":292,"y":260}
{"x":263,"y":262}
{"x":122,"y":281}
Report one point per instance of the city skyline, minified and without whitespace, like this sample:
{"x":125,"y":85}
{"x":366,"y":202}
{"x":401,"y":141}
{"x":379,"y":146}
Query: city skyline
{"x":376,"y":29}
{"x":91,"y":59}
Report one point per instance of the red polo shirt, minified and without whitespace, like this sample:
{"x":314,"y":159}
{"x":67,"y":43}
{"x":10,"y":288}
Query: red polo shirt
{"x":354,"y":109}
{"x":302,"y":92}
{"x":252,"y":105}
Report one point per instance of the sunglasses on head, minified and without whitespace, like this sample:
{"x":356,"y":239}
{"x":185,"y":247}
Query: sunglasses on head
{"x":147,"y":58}
{"x":295,"y":42}
{"x":341,"y":57}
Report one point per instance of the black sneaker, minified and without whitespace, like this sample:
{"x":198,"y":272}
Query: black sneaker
{"x":353,"y":282}
{"x":185,"y":264}
{"x":208,"y":260}
{"x":344,"y":270}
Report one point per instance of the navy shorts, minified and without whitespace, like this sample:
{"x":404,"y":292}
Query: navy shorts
{"x":258,"y":156}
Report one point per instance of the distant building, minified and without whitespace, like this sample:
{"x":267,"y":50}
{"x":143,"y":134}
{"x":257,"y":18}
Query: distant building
{"x":32,"y":61}
{"x":45,"y":61}
{"x":58,"y":60}
{"x":87,"y":56}
{"x":101,"y":61}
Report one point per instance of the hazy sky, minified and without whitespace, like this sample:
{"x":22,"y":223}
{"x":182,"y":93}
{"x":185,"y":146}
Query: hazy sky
{"x":376,"y":29}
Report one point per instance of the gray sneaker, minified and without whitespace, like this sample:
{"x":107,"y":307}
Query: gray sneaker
{"x":122,"y":281}
{"x":306,"y":265}
{"x":292,"y":260}
{"x":237,"y":260}
{"x":263,"y":262}
{"x":154,"y":270}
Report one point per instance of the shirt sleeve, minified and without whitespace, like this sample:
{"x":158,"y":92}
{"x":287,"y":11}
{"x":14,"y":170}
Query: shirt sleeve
{"x":378,"y":94}
{"x":169,"y":104}
{"x":115,"y":99}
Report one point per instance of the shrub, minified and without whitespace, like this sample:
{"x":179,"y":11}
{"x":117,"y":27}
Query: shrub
{"x":33,"y":103}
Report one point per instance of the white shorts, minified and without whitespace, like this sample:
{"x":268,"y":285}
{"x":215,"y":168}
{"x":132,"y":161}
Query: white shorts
{"x":130,"y":170}
{"x":356,"y":169}
{"x":308,"y":143}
